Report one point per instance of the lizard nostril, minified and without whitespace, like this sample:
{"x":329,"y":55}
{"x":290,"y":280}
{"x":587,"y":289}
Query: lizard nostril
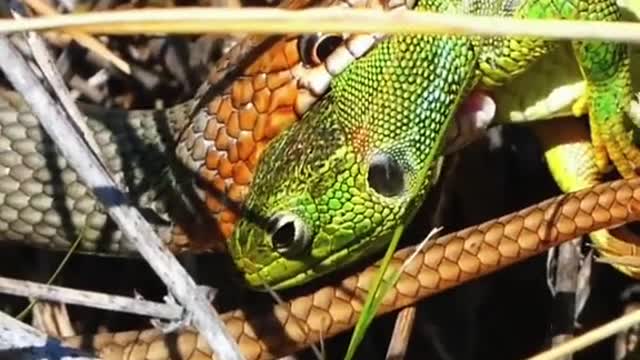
{"x":284,"y":235}
{"x":289,"y":235}
{"x":386,"y":175}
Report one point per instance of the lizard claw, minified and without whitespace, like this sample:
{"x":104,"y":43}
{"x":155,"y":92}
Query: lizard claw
{"x":611,"y":140}
{"x":600,"y":153}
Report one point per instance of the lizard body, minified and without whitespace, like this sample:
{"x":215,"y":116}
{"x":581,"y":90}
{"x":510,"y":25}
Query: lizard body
{"x":361,"y":160}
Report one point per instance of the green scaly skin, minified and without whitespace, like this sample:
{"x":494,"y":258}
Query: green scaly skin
{"x":312,"y":209}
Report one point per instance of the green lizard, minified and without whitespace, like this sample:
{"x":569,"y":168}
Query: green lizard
{"x":362,"y":159}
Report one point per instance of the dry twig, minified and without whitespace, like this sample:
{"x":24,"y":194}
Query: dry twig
{"x":73,"y":147}
{"x":274,"y":20}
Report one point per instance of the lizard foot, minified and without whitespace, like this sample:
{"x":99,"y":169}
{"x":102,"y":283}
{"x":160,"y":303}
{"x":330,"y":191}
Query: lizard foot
{"x":611,"y":140}
{"x":619,"y":248}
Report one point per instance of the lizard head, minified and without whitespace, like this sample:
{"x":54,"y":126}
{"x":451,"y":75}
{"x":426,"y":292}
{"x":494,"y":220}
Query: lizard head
{"x":332,"y":188}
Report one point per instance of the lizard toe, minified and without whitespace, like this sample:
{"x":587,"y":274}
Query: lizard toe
{"x":611,"y":140}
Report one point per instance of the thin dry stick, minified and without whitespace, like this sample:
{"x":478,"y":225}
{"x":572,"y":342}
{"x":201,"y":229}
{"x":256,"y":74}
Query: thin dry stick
{"x":53,"y":319}
{"x":128,"y":218}
{"x":89,"y":298}
{"x":273,"y":20}
{"x":50,"y":72}
{"x":564,"y":286}
{"x":587,"y":339}
{"x":81,"y":38}
{"x":15,"y":334}
{"x":401,"y":334}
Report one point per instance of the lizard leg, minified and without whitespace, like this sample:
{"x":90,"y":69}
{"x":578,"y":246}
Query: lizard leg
{"x":604,"y":66}
{"x":572,"y":162}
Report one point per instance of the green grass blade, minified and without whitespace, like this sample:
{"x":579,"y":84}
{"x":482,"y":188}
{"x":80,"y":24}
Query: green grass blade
{"x":381,"y":287}
{"x":374,"y":297}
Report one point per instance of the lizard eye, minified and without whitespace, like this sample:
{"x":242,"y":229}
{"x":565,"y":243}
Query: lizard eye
{"x":290,"y":236}
{"x":315,"y":48}
{"x":386,"y":175}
